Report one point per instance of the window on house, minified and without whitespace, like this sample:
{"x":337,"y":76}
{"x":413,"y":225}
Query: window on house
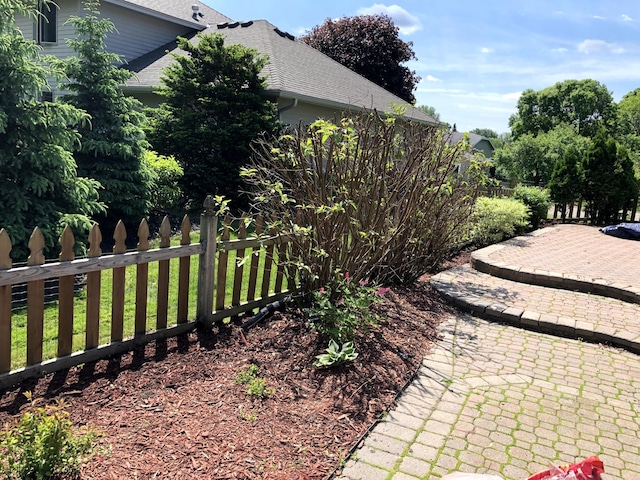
{"x":47,"y":23}
{"x":46,"y":96}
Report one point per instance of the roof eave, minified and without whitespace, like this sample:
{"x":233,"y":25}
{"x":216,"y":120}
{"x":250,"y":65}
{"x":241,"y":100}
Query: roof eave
{"x":321,"y":102}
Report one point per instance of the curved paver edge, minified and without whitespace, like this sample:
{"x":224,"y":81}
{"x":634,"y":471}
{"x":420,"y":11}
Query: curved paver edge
{"x":531,"y":320}
{"x":481,"y":261}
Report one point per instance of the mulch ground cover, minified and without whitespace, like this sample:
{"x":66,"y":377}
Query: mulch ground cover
{"x":174,"y":409}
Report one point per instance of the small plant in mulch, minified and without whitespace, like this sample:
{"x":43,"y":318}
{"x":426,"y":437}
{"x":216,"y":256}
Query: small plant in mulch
{"x":335,"y":355}
{"x":43,"y":442}
{"x":256,"y":386}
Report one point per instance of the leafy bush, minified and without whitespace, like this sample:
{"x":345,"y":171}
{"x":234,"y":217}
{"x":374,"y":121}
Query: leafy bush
{"x":344,"y":307}
{"x":537,"y":200}
{"x":335,"y":355}
{"x":379,"y":198}
{"x":165,"y":192}
{"x":565,"y":184}
{"x":495,"y":219}
{"x":43,"y":443}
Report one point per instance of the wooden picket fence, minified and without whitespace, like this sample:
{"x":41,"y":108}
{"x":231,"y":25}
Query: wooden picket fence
{"x":213,"y":269}
{"x":577,"y":212}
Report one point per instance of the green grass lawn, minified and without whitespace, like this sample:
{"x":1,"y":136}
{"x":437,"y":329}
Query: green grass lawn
{"x":50,"y":338}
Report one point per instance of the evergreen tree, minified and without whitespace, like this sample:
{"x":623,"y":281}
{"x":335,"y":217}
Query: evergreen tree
{"x":113,"y":143}
{"x":213,"y":109}
{"x":39,"y":185}
{"x":565,"y":184}
{"x":608,"y":180}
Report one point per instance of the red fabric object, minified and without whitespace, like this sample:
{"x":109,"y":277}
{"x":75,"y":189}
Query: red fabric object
{"x":588,"y":469}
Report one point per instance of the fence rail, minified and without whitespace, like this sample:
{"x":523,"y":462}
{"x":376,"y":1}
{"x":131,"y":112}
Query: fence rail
{"x":578,"y":212}
{"x":215,"y":274}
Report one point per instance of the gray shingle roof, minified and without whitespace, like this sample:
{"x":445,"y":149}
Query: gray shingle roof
{"x":474,"y":138}
{"x":179,"y":11}
{"x":295,"y":70}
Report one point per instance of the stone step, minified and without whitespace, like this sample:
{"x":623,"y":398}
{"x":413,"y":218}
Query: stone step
{"x":569,"y":257}
{"x":560,"y":312}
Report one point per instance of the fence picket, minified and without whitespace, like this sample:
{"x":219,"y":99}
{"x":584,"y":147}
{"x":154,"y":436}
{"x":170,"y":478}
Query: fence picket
{"x":93,"y":291}
{"x":255,"y":258}
{"x":5,"y":304}
{"x":163,"y":276}
{"x":239,"y":267}
{"x":183,"y":273}
{"x":279,"y":267}
{"x":142,"y":281}
{"x":223,"y":260}
{"x":65,"y":296}
{"x":35,"y":301}
{"x":266,"y":271}
{"x":117,"y":294}
{"x":67,"y":267}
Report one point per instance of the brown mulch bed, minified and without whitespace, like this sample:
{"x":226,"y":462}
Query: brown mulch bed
{"x":173,"y":409}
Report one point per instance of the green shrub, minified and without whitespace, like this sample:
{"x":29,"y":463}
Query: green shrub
{"x":537,"y":200}
{"x":165,"y":193}
{"x":377,"y":197}
{"x":43,"y":443}
{"x":495,"y":219}
{"x":344,"y":307}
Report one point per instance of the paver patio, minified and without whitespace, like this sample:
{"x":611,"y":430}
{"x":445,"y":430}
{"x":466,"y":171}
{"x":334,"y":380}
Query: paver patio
{"x":497,"y":399}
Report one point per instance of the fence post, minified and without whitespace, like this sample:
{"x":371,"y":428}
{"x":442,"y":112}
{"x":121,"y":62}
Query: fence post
{"x":207,"y":264}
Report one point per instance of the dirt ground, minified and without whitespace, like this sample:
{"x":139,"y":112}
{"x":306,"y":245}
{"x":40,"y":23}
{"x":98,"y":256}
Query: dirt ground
{"x":174,"y":409}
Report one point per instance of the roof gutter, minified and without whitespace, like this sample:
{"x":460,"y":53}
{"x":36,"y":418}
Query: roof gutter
{"x":293,"y":105}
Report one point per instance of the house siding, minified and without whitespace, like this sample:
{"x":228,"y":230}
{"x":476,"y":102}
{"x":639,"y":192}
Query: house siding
{"x":137,"y":33}
{"x":485,"y":147}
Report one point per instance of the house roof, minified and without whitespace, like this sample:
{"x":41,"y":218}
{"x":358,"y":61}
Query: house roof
{"x":474,"y":138}
{"x":295,"y":70}
{"x":176,"y":11}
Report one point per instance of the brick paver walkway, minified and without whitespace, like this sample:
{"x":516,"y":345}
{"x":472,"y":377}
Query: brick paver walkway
{"x":501,"y":400}
{"x":575,"y":249}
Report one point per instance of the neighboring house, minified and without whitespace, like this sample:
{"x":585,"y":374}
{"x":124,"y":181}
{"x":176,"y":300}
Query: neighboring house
{"x":305,"y":84}
{"x":478,"y":144}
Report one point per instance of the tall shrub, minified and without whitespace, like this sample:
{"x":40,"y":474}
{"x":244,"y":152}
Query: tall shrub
{"x":379,"y":199}
{"x":565,"y":185}
{"x":608,"y":179}
{"x":213,"y":109}
{"x":113,"y":142}
{"x":39,"y":185}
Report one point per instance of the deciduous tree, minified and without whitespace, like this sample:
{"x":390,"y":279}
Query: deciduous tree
{"x":213,"y":109}
{"x":370,"y":46}
{"x":587,"y":105}
{"x":38,"y":181}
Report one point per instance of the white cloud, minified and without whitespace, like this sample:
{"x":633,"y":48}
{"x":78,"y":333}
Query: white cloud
{"x":627,"y":18}
{"x":599,"y":46}
{"x":512,"y":96}
{"x":406,"y":22}
{"x":560,"y":50}
{"x":598,"y":17}
{"x":486,"y":50}
{"x":431,"y":78}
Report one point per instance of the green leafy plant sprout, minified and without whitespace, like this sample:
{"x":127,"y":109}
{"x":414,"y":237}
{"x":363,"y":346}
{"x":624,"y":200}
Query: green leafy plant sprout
{"x":43,"y":443}
{"x":344,"y":307}
{"x":336,"y":355}
{"x":256,"y":386}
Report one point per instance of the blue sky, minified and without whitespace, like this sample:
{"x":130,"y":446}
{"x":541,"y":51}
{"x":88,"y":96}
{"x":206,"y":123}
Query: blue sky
{"x":475,"y":58}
